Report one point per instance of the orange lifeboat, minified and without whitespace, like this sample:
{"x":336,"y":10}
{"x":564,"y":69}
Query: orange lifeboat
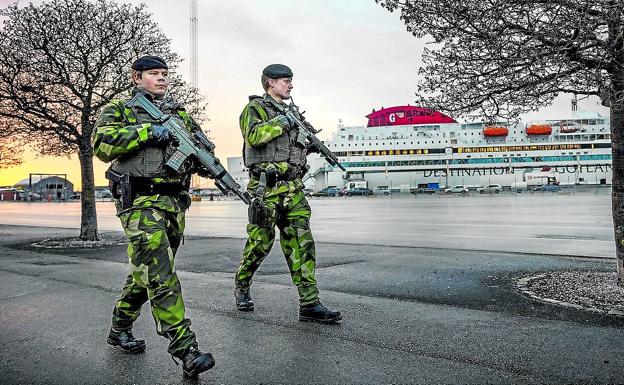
{"x":495,"y":131}
{"x":539,"y":129}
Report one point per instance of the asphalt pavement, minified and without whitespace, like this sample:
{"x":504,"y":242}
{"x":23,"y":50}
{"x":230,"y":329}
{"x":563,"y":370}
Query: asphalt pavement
{"x":578,"y":224}
{"x":421,"y":315}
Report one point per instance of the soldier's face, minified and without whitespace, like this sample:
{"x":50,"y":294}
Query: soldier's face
{"x":154,"y":81}
{"x":281,"y":87}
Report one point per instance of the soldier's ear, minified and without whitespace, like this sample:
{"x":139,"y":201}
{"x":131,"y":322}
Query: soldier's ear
{"x":136,"y":76}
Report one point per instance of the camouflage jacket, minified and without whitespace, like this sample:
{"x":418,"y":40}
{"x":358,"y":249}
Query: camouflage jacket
{"x":121,"y":132}
{"x":261,"y":125}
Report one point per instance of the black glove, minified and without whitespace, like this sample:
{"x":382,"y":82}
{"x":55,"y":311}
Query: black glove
{"x":204,"y":173}
{"x":161,"y":135}
{"x":312,"y":148}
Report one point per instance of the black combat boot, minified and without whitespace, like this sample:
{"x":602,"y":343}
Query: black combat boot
{"x":195,"y":362}
{"x":316,"y":312}
{"x":243,"y":299}
{"x":126,"y":341}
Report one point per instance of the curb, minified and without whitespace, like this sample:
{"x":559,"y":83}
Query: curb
{"x":522,"y":285}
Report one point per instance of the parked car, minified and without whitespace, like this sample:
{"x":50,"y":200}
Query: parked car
{"x":457,"y":189}
{"x":308,"y":192}
{"x":359,"y":191}
{"x":382,"y":190}
{"x":551,"y":188}
{"x":326,"y":192}
{"x":103,"y":193}
{"x":491,"y":189}
{"x":547,"y":187}
{"x":423,"y":190}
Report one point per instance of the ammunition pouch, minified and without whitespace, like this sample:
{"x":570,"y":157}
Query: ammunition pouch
{"x":258,"y":213}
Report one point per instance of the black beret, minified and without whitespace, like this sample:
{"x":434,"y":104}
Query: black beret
{"x":276,"y":71}
{"x":148,"y":63}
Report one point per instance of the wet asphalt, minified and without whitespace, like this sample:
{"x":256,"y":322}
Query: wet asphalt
{"x":421,"y":315}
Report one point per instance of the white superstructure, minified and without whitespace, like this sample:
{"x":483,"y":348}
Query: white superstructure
{"x":405,"y":147}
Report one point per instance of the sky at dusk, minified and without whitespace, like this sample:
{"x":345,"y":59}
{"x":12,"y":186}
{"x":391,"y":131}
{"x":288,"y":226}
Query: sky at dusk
{"x":348,"y":57}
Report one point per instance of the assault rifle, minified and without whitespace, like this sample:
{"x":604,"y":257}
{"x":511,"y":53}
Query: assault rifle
{"x":306,"y":133}
{"x":191,"y":145}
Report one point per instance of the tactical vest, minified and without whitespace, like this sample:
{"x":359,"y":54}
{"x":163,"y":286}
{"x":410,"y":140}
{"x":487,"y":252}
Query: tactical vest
{"x":149,"y":161}
{"x":280,"y":149}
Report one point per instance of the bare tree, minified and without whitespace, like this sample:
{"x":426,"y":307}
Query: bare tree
{"x":61,"y":62}
{"x":10,"y":152}
{"x":506,"y":57}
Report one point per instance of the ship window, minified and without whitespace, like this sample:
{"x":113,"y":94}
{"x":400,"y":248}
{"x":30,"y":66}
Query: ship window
{"x":350,"y":137}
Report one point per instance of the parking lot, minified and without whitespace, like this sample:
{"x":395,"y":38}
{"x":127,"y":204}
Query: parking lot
{"x":571,"y":222}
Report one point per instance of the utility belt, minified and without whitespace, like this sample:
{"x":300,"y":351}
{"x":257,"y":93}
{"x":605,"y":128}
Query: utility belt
{"x":125,"y":187}
{"x":258,"y":212}
{"x":272,"y":176}
{"x":142,"y":187}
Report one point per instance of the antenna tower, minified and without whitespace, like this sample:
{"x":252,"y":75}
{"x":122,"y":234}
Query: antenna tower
{"x":195,"y":182}
{"x":194,"y":43}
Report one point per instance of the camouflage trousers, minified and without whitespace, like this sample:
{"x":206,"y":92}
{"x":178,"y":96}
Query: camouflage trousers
{"x":290,"y":212}
{"x":154,"y":227}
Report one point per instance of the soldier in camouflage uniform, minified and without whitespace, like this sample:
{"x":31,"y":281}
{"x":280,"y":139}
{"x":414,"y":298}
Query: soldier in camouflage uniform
{"x":154,"y":220}
{"x":276,"y":166}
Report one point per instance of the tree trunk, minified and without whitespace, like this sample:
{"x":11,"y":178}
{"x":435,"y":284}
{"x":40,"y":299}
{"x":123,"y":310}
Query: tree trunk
{"x":617,"y":149}
{"x":88,"y":221}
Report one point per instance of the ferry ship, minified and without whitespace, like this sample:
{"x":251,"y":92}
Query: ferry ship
{"x":406,"y":147}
